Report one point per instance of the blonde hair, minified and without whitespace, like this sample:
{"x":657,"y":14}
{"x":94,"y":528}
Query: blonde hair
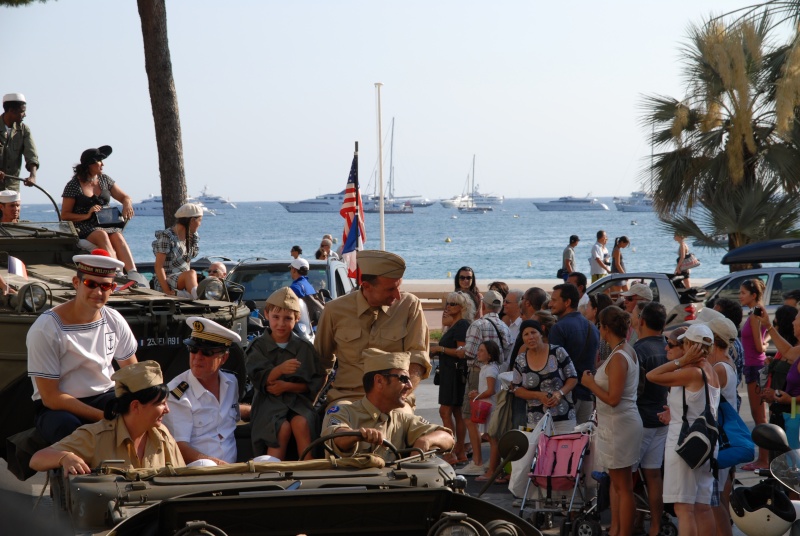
{"x":466,"y":303}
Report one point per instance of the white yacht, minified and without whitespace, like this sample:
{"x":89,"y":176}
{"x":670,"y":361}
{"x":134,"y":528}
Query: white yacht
{"x":153,"y":206}
{"x":217,"y":203}
{"x":321,"y":203}
{"x":570,"y":203}
{"x":637,"y":202}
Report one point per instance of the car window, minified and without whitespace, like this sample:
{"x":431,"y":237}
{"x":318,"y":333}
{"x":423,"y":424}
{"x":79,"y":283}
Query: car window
{"x":613,"y":288}
{"x":730,"y":288}
{"x":316,"y":276}
{"x":781,"y":284}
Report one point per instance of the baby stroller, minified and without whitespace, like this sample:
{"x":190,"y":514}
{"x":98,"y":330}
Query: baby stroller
{"x":557,"y":466}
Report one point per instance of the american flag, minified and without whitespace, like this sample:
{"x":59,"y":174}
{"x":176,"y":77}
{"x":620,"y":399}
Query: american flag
{"x":353,"y":236}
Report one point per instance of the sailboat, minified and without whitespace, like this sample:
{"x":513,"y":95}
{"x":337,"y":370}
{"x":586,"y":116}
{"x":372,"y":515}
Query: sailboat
{"x":469,"y":206}
{"x":391,"y":205}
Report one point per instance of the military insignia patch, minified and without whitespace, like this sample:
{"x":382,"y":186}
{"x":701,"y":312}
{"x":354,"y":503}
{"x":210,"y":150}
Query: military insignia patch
{"x":334,"y":422}
{"x":334,"y":409}
{"x":198,"y":326}
{"x":179,"y":390}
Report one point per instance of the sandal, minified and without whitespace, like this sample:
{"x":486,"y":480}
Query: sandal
{"x":502,"y":479}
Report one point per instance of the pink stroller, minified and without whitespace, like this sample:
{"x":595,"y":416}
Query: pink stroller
{"x":556,"y":467}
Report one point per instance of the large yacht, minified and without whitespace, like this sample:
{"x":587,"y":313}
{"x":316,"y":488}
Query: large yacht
{"x":153,"y":206}
{"x":570,"y":203}
{"x":217,"y":203}
{"x":321,"y":203}
{"x":637,"y":202}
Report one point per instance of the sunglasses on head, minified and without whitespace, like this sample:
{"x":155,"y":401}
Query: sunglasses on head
{"x":402,"y":378}
{"x":208,"y":352}
{"x":92,"y":284}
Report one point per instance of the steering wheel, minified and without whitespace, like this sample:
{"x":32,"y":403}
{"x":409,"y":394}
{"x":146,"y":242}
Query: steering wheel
{"x":349,"y":433}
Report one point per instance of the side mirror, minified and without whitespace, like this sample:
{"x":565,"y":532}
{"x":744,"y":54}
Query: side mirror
{"x":770,"y":437}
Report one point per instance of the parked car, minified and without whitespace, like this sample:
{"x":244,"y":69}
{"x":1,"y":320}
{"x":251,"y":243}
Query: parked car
{"x":260,"y":278}
{"x":682,"y":304}
{"x":778,"y":280}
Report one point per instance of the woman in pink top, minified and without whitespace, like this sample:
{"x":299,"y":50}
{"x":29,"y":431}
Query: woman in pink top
{"x":754,"y":342}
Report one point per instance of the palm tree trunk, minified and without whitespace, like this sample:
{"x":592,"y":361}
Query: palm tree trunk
{"x":164,"y":102}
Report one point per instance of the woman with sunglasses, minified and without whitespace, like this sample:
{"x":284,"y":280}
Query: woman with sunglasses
{"x":465,"y":282}
{"x":785,"y":334}
{"x":458,"y":314}
{"x":135,"y":413}
{"x":754,"y":341}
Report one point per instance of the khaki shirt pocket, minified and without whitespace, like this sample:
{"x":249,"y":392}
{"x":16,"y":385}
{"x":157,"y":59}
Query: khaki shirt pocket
{"x":391,"y":338}
{"x":347,"y":335}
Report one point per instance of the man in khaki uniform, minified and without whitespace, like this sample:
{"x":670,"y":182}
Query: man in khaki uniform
{"x":16,"y":142}
{"x":378,"y":414}
{"x":378,"y":315}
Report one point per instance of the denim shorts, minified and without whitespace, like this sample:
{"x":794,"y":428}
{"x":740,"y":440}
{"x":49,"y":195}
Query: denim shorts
{"x":751,"y":373}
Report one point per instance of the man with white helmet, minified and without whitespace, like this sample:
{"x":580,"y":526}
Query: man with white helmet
{"x":15,"y":142}
{"x":205,"y":399}
{"x":71,"y":348}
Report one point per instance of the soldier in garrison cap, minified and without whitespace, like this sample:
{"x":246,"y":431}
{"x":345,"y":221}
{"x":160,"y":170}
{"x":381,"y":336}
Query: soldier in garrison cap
{"x":15,"y":142}
{"x":378,"y":415}
{"x":71,"y":348}
{"x":130,"y":431}
{"x":9,"y":206}
{"x":377,"y":315}
{"x":205,"y":398}
{"x":286,"y":374}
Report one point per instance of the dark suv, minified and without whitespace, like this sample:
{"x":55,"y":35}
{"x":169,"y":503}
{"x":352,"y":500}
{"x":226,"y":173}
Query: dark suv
{"x":260,"y":278}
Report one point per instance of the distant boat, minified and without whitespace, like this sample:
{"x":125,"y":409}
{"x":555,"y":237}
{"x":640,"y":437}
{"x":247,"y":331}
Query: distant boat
{"x":571,"y":204}
{"x":392,"y":204}
{"x":394,"y":207}
{"x":637,"y":202}
{"x":216,"y":203}
{"x":321,"y":203}
{"x":154,"y":206}
{"x":415,"y":200}
{"x":471,"y":206}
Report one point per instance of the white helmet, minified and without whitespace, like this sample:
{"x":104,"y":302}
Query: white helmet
{"x":762,"y":510}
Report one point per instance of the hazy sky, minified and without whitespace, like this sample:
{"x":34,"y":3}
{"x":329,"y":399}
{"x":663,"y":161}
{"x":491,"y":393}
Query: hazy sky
{"x":273,"y":94}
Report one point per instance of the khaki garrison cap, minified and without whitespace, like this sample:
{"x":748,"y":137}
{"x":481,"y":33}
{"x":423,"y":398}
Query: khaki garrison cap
{"x":375,"y":360}
{"x":381,"y":263}
{"x":136,"y":377}
{"x":285,"y":298}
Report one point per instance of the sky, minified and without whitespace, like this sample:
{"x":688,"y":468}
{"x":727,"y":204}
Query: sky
{"x":273,"y":95}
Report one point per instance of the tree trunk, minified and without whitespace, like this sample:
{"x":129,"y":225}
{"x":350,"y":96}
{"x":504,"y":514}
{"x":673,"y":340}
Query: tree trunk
{"x":164,"y":102}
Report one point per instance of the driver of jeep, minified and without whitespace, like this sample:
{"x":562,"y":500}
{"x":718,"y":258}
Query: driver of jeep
{"x":378,"y":415}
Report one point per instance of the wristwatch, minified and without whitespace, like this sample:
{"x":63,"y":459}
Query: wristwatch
{"x":777,"y":393}
{"x":677,"y":363}
{"x":561,"y":393}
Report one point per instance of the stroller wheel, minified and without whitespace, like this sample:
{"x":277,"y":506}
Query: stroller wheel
{"x":668,"y":528}
{"x":586,"y":527}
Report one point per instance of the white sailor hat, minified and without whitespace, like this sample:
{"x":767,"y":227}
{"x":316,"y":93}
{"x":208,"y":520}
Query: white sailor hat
{"x":99,"y":263}
{"x":14,"y":97}
{"x":9,"y":196}
{"x":208,"y":334}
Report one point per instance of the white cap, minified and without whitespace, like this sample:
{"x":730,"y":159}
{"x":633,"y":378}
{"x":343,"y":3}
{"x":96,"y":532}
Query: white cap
{"x":99,"y":263}
{"x":706,"y":315}
{"x":299,"y":263}
{"x":698,"y":333}
{"x":209,"y":333}
{"x":9,"y":196}
{"x":14,"y":97}
{"x":189,"y":210}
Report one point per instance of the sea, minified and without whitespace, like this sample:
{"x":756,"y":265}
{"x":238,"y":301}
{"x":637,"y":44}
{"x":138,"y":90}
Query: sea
{"x":515,"y":241}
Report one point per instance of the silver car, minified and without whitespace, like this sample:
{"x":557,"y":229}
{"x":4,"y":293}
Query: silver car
{"x":778,"y":281}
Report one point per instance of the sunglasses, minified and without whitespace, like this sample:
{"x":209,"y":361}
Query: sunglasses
{"x":630,"y":298}
{"x":465,"y":277}
{"x":215,"y":271}
{"x":402,"y":378}
{"x":453,"y":304}
{"x":92,"y":284}
{"x":672,"y":345}
{"x":207,"y":352}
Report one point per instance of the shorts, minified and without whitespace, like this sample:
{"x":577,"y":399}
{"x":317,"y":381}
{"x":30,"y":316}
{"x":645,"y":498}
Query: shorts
{"x":651,"y":453}
{"x":751,"y":373}
{"x":595,"y":277}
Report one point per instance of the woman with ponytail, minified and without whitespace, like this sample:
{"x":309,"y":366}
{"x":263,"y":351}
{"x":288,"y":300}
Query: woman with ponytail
{"x":131,"y":429}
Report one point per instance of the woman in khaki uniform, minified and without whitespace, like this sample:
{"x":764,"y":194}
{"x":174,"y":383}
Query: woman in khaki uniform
{"x":131,"y":429}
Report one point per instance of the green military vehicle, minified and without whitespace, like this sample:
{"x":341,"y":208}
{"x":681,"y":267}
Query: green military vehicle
{"x":157,"y":320}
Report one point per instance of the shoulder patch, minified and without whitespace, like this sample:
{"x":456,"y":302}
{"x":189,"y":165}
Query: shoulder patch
{"x":179,"y":390}
{"x":334,"y":422}
{"x":423,"y":421}
{"x":333,"y":409}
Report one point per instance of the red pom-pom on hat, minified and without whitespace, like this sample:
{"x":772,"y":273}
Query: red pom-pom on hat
{"x":102,"y":252}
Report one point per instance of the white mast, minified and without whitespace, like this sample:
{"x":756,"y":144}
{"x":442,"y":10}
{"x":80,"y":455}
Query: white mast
{"x":380,"y":166}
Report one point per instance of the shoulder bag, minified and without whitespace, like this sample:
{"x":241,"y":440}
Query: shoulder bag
{"x":689,"y":262}
{"x":696,"y":442}
{"x":735,"y":444}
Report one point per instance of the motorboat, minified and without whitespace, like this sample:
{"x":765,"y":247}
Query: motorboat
{"x":321,"y":203}
{"x":154,"y":206}
{"x":570,"y":204}
{"x":471,"y":206}
{"x":415,"y":200}
{"x":637,"y":202}
{"x":393,"y":207}
{"x":217,"y":203}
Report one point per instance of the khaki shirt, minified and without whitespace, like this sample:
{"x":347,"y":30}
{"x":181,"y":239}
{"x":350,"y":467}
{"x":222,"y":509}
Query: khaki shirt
{"x":110,"y":440}
{"x":400,"y":428}
{"x":15,"y":143}
{"x":349,"y":325}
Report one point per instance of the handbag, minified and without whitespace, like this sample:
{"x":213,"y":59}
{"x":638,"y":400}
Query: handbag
{"x":500,"y":420}
{"x":436,"y":377}
{"x":696,"y":442}
{"x":689,"y":262}
{"x":735,"y":444}
{"x":560,"y":273}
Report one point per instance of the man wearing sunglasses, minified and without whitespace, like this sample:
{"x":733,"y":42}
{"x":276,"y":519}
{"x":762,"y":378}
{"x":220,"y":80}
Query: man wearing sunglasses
{"x":378,"y":415}
{"x":204,"y":401}
{"x":218,"y":270}
{"x":71,"y":348}
{"x":378,"y":315}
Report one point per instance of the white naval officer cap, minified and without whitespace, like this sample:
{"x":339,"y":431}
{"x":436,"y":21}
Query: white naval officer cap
{"x":208,"y":334}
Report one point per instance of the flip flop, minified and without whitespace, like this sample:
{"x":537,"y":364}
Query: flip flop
{"x":502,"y":479}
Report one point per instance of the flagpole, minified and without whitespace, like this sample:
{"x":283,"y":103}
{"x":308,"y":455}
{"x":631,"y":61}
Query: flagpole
{"x":380,"y":167}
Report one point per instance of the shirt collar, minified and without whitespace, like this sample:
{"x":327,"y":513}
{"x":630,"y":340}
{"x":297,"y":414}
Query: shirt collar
{"x":362,"y":306}
{"x":373,"y":411}
{"x":198,"y":389}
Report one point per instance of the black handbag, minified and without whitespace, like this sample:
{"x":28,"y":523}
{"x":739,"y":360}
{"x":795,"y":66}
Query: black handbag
{"x":436,"y":377}
{"x":696,"y":442}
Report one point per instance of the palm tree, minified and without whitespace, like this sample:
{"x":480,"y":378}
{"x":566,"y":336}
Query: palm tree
{"x":725,"y":148}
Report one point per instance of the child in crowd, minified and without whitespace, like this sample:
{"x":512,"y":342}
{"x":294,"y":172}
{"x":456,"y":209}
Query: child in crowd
{"x":488,"y":384}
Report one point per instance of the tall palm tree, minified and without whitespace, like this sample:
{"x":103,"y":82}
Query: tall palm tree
{"x":723,"y":145}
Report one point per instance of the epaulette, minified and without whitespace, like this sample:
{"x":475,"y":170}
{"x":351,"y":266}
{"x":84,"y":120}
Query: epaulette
{"x":179,"y":390}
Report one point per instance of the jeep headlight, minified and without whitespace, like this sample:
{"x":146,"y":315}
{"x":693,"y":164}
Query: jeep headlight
{"x":211,"y":288}
{"x":30,"y":298}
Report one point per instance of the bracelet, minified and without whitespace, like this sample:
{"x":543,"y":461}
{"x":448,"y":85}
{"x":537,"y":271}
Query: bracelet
{"x":677,"y":363}
{"x":62,"y":457}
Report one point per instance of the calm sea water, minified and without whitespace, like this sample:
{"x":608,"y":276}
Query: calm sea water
{"x":516,"y":241}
